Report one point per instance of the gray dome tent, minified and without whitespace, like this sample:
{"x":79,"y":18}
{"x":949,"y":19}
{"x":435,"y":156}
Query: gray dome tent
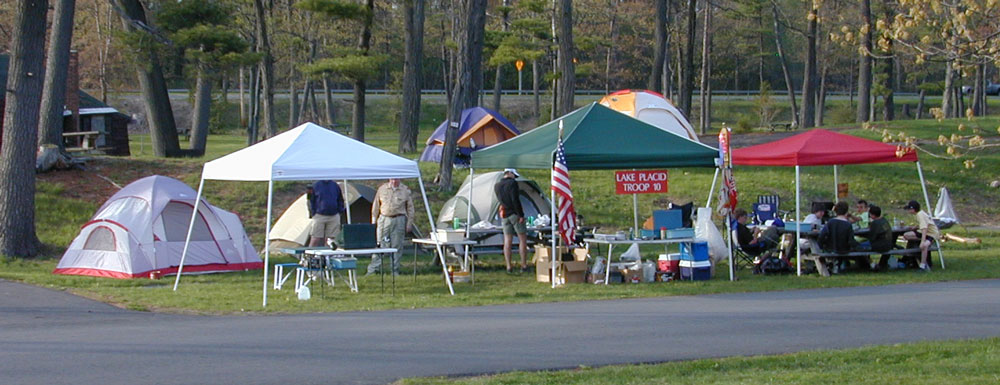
{"x":485,"y":205}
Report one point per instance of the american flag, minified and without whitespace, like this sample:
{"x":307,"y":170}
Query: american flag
{"x":564,"y":196}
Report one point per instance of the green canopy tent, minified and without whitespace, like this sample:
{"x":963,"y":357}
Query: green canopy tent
{"x":597,"y":138}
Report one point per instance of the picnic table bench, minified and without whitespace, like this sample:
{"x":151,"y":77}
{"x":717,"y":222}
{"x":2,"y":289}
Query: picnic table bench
{"x":87,"y":140}
{"x":821,"y":267}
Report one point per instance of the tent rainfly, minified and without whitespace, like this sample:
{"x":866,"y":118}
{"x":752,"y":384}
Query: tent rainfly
{"x":140,"y":230}
{"x":820,"y":147}
{"x":308,"y":152}
{"x":652,"y":108}
{"x":596,"y":137}
{"x":479,"y":128}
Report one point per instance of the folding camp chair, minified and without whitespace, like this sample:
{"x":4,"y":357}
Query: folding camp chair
{"x":775,"y":202}
{"x":763,"y":212}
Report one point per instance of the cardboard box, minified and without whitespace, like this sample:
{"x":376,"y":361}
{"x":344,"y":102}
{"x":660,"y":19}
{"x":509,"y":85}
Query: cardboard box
{"x":566,"y":272}
{"x":544,"y":253}
{"x":632,"y":275}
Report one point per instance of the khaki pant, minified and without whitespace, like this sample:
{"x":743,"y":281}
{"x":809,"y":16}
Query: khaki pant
{"x":395,"y":229}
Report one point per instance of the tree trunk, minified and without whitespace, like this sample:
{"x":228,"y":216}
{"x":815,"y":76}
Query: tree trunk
{"x":567,"y":69}
{"x":821,"y":97}
{"x":808,"y":115}
{"x":865,"y":71}
{"x":705,"y":121}
{"x":889,"y":105}
{"x":202,"y":106}
{"x":243,"y":109}
{"x":470,"y":48}
{"x":409,"y":123}
{"x":304,"y":107}
{"x":364,"y":44}
{"x":267,"y":71}
{"x":977,"y":90}
{"x":54,"y":94}
{"x":293,"y":99}
{"x":253,"y":123}
{"x":610,"y":56}
{"x":25,"y":77}
{"x":535,"y":84}
{"x":104,"y":36}
{"x":687,"y":70}
{"x":920,"y":104}
{"x":665,"y":87}
{"x":947,"y":101}
{"x":784,"y":67}
{"x":328,"y":102}
{"x":655,"y":81}
{"x":162,"y":127}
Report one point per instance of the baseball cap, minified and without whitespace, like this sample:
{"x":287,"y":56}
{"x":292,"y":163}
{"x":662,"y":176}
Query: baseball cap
{"x":912,"y":205}
{"x":512,"y":171}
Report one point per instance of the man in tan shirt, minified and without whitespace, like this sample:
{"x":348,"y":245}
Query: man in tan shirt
{"x":392,"y":214}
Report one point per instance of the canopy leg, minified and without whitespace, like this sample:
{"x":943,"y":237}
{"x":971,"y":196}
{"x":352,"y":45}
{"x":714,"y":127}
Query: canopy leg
{"x":708,"y":202}
{"x":927,"y":203}
{"x":187,"y":239}
{"x":437,"y":244}
{"x":798,"y":225}
{"x":267,"y":232}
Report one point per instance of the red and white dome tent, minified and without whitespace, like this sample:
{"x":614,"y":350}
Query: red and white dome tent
{"x":141,"y":229}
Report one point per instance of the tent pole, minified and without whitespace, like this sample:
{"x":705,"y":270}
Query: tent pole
{"x":708,"y":203}
{"x":836,"y":184}
{"x":347,"y":201}
{"x":798,"y":225}
{"x":267,"y":230}
{"x":927,"y":202}
{"x":187,"y":239}
{"x":437,"y":244}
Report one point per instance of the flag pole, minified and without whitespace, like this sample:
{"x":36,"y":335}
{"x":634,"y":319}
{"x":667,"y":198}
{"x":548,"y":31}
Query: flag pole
{"x":552,"y":193}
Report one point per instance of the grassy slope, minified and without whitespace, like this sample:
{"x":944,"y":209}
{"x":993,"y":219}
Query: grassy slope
{"x":60,"y":216}
{"x":952,"y":362}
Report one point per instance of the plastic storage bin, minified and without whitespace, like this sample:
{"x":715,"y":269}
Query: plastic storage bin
{"x":696,"y":271}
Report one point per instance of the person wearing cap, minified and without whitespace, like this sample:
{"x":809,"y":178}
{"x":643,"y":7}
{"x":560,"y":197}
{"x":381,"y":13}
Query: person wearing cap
{"x":392,"y":214}
{"x":512,"y":217}
{"x":326,"y":203}
{"x":928,"y":232}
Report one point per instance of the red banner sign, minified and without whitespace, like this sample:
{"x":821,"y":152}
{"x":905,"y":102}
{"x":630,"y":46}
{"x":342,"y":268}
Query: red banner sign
{"x":641,"y":182}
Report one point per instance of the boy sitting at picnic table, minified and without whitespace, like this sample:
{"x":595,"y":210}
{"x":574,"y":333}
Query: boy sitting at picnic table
{"x":862,"y":217}
{"x":880,"y":237}
{"x":927,"y":232}
{"x":837,"y":235}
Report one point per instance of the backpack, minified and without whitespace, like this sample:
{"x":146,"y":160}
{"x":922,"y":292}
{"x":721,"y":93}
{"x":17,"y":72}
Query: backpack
{"x":771,"y":265}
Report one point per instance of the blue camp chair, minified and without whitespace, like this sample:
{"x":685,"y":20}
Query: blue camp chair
{"x":763,"y":212}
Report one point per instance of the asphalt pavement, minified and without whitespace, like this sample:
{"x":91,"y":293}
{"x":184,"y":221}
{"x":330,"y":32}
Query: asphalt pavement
{"x":51,"y":337}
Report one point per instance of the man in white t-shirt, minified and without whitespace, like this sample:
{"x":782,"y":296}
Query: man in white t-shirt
{"x":927,"y":232}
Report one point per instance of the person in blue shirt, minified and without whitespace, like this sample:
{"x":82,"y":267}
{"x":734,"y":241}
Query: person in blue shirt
{"x":326,"y":203}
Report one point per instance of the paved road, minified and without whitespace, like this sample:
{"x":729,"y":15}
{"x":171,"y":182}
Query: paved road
{"x":49,"y":337}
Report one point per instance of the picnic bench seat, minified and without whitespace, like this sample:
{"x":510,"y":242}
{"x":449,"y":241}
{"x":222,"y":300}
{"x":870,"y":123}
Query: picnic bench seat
{"x":859,"y":254}
{"x":787,"y":126}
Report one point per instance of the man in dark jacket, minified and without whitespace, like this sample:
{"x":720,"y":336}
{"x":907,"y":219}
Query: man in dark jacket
{"x":837,"y":235}
{"x":512,"y":217}
{"x":325,"y":205}
{"x":880,"y":236}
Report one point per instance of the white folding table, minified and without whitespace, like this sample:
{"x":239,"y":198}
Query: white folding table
{"x":612,"y":242}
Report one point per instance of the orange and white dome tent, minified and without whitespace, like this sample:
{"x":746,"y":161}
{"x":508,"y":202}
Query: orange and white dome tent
{"x":650,"y":107}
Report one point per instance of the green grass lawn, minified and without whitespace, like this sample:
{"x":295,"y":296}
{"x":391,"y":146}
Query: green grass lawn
{"x":949,"y":362}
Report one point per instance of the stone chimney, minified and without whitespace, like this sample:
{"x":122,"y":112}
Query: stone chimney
{"x":72,"y":93}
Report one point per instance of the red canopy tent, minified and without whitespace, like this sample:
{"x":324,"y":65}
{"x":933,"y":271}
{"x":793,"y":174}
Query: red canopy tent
{"x":820,"y":147}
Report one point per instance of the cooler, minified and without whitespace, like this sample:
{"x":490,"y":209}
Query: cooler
{"x":669,"y":262}
{"x":671,"y":219}
{"x":684,"y":232}
{"x":696,"y":271}
{"x":341,"y":263}
{"x":694,"y":251}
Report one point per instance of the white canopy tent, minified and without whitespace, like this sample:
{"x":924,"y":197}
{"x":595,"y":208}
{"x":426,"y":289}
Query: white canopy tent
{"x":308,"y":152}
